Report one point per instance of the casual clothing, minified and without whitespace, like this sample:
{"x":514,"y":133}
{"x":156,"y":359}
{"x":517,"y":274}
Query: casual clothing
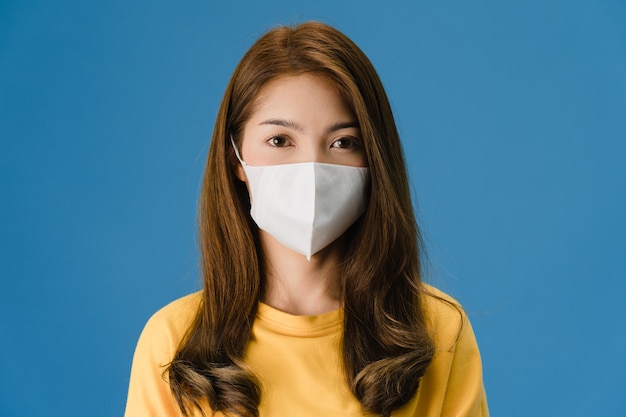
{"x":297,"y":360}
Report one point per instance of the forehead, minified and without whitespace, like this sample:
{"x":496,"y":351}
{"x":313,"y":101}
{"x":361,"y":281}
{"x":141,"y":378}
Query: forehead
{"x":287,"y":90}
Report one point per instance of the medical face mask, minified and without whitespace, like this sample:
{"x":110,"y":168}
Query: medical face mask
{"x":306,"y":206}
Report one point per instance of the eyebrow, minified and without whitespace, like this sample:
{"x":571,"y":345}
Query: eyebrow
{"x":293,"y":125}
{"x":341,"y":125}
{"x":285,"y":123}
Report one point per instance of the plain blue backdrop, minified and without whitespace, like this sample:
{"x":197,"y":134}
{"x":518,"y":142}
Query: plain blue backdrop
{"x":513,"y":117}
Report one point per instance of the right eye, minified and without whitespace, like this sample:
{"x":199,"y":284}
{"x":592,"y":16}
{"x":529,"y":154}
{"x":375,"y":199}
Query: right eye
{"x":278,"y":141}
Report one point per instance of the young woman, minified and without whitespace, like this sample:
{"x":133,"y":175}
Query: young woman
{"x":313,"y":303}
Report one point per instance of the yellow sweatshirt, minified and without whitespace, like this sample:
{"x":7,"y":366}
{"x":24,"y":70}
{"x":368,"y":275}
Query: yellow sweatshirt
{"x":298,"y":362}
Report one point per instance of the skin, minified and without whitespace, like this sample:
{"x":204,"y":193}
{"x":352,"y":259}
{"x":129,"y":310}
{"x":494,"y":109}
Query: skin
{"x":301,"y":118}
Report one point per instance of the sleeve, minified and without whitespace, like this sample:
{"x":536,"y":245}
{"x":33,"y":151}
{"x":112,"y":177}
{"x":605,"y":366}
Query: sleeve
{"x":453,"y":383}
{"x":465,"y":393}
{"x":149,"y":392}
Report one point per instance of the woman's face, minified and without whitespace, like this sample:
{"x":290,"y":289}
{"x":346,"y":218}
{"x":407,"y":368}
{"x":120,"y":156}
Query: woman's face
{"x":301,"y":118}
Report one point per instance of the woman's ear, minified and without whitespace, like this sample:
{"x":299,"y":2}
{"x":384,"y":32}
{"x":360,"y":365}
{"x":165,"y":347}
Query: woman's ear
{"x":235,"y":164}
{"x":240,"y":173}
{"x":237,"y":169}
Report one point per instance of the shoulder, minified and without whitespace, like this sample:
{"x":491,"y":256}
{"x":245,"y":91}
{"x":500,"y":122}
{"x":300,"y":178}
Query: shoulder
{"x":453,"y":382}
{"x":149,"y":391}
{"x":440,"y":306}
{"x":445,"y":317}
{"x":181,"y":308}
{"x":168,"y":326}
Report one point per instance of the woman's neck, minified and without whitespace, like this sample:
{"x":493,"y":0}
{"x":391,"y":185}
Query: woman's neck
{"x":298,"y":286}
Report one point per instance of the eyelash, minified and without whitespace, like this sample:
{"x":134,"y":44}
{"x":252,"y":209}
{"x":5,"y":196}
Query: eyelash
{"x":354,"y":142}
{"x":271,"y":140}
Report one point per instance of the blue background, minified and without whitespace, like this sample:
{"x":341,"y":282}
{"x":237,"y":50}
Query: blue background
{"x":513,"y":115}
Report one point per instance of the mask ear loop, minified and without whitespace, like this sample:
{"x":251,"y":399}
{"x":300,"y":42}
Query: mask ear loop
{"x":236,"y":151}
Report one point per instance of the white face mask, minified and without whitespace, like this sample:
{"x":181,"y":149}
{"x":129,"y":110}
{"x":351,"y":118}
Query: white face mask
{"x":306,"y":206}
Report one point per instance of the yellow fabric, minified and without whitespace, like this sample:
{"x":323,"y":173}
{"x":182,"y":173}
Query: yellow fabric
{"x":297,"y":360}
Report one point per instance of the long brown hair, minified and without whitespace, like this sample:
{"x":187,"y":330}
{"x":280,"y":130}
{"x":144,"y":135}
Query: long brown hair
{"x":386,"y":345}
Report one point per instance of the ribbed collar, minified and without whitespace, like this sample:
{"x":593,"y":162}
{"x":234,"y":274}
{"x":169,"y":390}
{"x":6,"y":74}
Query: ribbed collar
{"x":307,"y":326}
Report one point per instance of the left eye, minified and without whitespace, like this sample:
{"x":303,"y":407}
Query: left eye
{"x":278,"y":141}
{"x":346,"y":143}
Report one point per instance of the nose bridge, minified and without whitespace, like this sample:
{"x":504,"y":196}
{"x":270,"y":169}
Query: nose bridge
{"x":313,"y":150}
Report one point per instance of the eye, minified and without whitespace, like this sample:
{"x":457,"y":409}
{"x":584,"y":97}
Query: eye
{"x":278,"y":141}
{"x":347,"y":142}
